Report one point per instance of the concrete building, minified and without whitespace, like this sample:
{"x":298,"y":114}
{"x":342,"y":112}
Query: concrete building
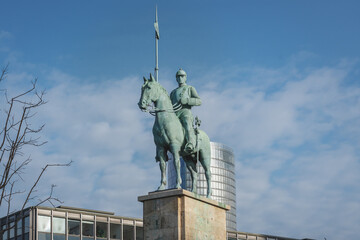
{"x":223,"y":179}
{"x":68,"y":223}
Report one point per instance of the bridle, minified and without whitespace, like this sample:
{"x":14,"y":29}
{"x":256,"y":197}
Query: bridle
{"x":154,"y":110}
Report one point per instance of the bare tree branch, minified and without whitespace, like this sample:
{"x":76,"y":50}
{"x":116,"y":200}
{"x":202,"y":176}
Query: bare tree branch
{"x":16,"y":133}
{"x":4,"y":72}
{"x":38,"y":179}
{"x":9,"y":197}
{"x":50,"y":198}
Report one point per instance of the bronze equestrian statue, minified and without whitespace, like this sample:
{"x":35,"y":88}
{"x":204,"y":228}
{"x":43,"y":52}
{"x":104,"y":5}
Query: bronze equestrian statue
{"x":173,"y":129}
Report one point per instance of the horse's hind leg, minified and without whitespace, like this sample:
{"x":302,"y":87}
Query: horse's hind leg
{"x":205,"y":159}
{"x":161,"y":157}
{"x":191,"y":165}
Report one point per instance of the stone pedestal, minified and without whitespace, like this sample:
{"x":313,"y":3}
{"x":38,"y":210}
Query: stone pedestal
{"x":177,"y":214}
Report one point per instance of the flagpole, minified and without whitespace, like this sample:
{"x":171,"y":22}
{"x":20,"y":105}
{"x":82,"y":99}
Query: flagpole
{"x":157,"y":36}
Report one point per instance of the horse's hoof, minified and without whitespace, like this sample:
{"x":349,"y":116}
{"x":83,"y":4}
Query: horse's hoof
{"x":178,"y":186}
{"x":161,"y":187}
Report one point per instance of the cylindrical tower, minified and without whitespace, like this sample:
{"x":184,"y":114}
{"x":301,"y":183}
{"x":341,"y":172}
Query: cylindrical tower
{"x":223,"y":180}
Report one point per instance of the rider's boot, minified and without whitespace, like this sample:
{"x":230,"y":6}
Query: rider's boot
{"x":190,"y":145}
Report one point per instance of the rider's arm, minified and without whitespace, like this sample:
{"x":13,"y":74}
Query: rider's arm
{"x":194,"y":99}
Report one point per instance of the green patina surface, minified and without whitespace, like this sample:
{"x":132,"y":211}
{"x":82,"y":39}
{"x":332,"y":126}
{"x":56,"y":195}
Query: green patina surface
{"x":173,"y":128}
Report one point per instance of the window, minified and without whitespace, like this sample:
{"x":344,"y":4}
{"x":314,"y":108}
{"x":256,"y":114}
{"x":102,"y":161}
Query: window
{"x":26,"y":236}
{"x":44,"y":227}
{"x":5,"y":233}
{"x":128,"y":232}
{"x":19,"y":227}
{"x":59,"y":236}
{"x":44,"y":236}
{"x":43,"y":224}
{"x":58,"y":228}
{"x":12,"y":230}
{"x":58,"y":225}
{"x":73,"y":227}
{"x":115,"y":231}
{"x":88,"y":230}
{"x":26,"y":224}
{"x":74,"y":237}
{"x":101,"y":230}
{"x":139,"y":233}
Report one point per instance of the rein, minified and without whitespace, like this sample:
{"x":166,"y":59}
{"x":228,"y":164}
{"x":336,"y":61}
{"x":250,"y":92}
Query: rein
{"x":154,"y":110}
{"x":176,"y":107}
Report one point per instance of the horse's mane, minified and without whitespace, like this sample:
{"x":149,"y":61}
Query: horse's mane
{"x":162,"y":89}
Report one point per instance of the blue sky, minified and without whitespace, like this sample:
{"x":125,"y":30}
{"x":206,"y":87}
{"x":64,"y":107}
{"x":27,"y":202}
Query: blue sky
{"x":279,"y":82}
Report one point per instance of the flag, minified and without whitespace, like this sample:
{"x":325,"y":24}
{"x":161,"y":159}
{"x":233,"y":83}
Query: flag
{"x":157,"y":34}
{"x":156,"y":25}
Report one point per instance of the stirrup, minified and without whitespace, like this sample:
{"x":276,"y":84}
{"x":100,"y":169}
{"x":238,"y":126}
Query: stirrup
{"x":189,"y":148}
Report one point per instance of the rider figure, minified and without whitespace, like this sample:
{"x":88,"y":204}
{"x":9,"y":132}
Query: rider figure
{"x":188,"y":97}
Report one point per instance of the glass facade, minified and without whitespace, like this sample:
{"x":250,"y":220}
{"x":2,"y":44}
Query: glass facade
{"x":63,"y":223}
{"x":253,"y":236}
{"x":223,"y":181}
{"x":43,"y":223}
{"x":15,"y":226}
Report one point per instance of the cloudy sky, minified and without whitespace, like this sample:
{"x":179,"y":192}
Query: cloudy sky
{"x":279,"y":81}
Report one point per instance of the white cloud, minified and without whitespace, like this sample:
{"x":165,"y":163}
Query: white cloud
{"x":310,"y":121}
{"x":5,"y":34}
{"x":295,"y":134}
{"x":101,"y":129}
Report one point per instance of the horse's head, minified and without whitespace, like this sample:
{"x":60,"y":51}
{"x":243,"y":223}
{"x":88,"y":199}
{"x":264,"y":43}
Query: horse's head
{"x":149,"y":92}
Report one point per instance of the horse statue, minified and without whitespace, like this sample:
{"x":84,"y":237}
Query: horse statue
{"x":169,"y":136}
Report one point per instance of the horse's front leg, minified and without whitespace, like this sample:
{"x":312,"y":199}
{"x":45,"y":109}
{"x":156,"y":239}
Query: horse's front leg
{"x":161,"y":158}
{"x":175,"y":149}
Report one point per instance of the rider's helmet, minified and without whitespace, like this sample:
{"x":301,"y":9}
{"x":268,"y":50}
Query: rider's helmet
{"x":180,"y":73}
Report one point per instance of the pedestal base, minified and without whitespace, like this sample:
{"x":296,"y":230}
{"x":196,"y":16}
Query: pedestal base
{"x":177,"y":214}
